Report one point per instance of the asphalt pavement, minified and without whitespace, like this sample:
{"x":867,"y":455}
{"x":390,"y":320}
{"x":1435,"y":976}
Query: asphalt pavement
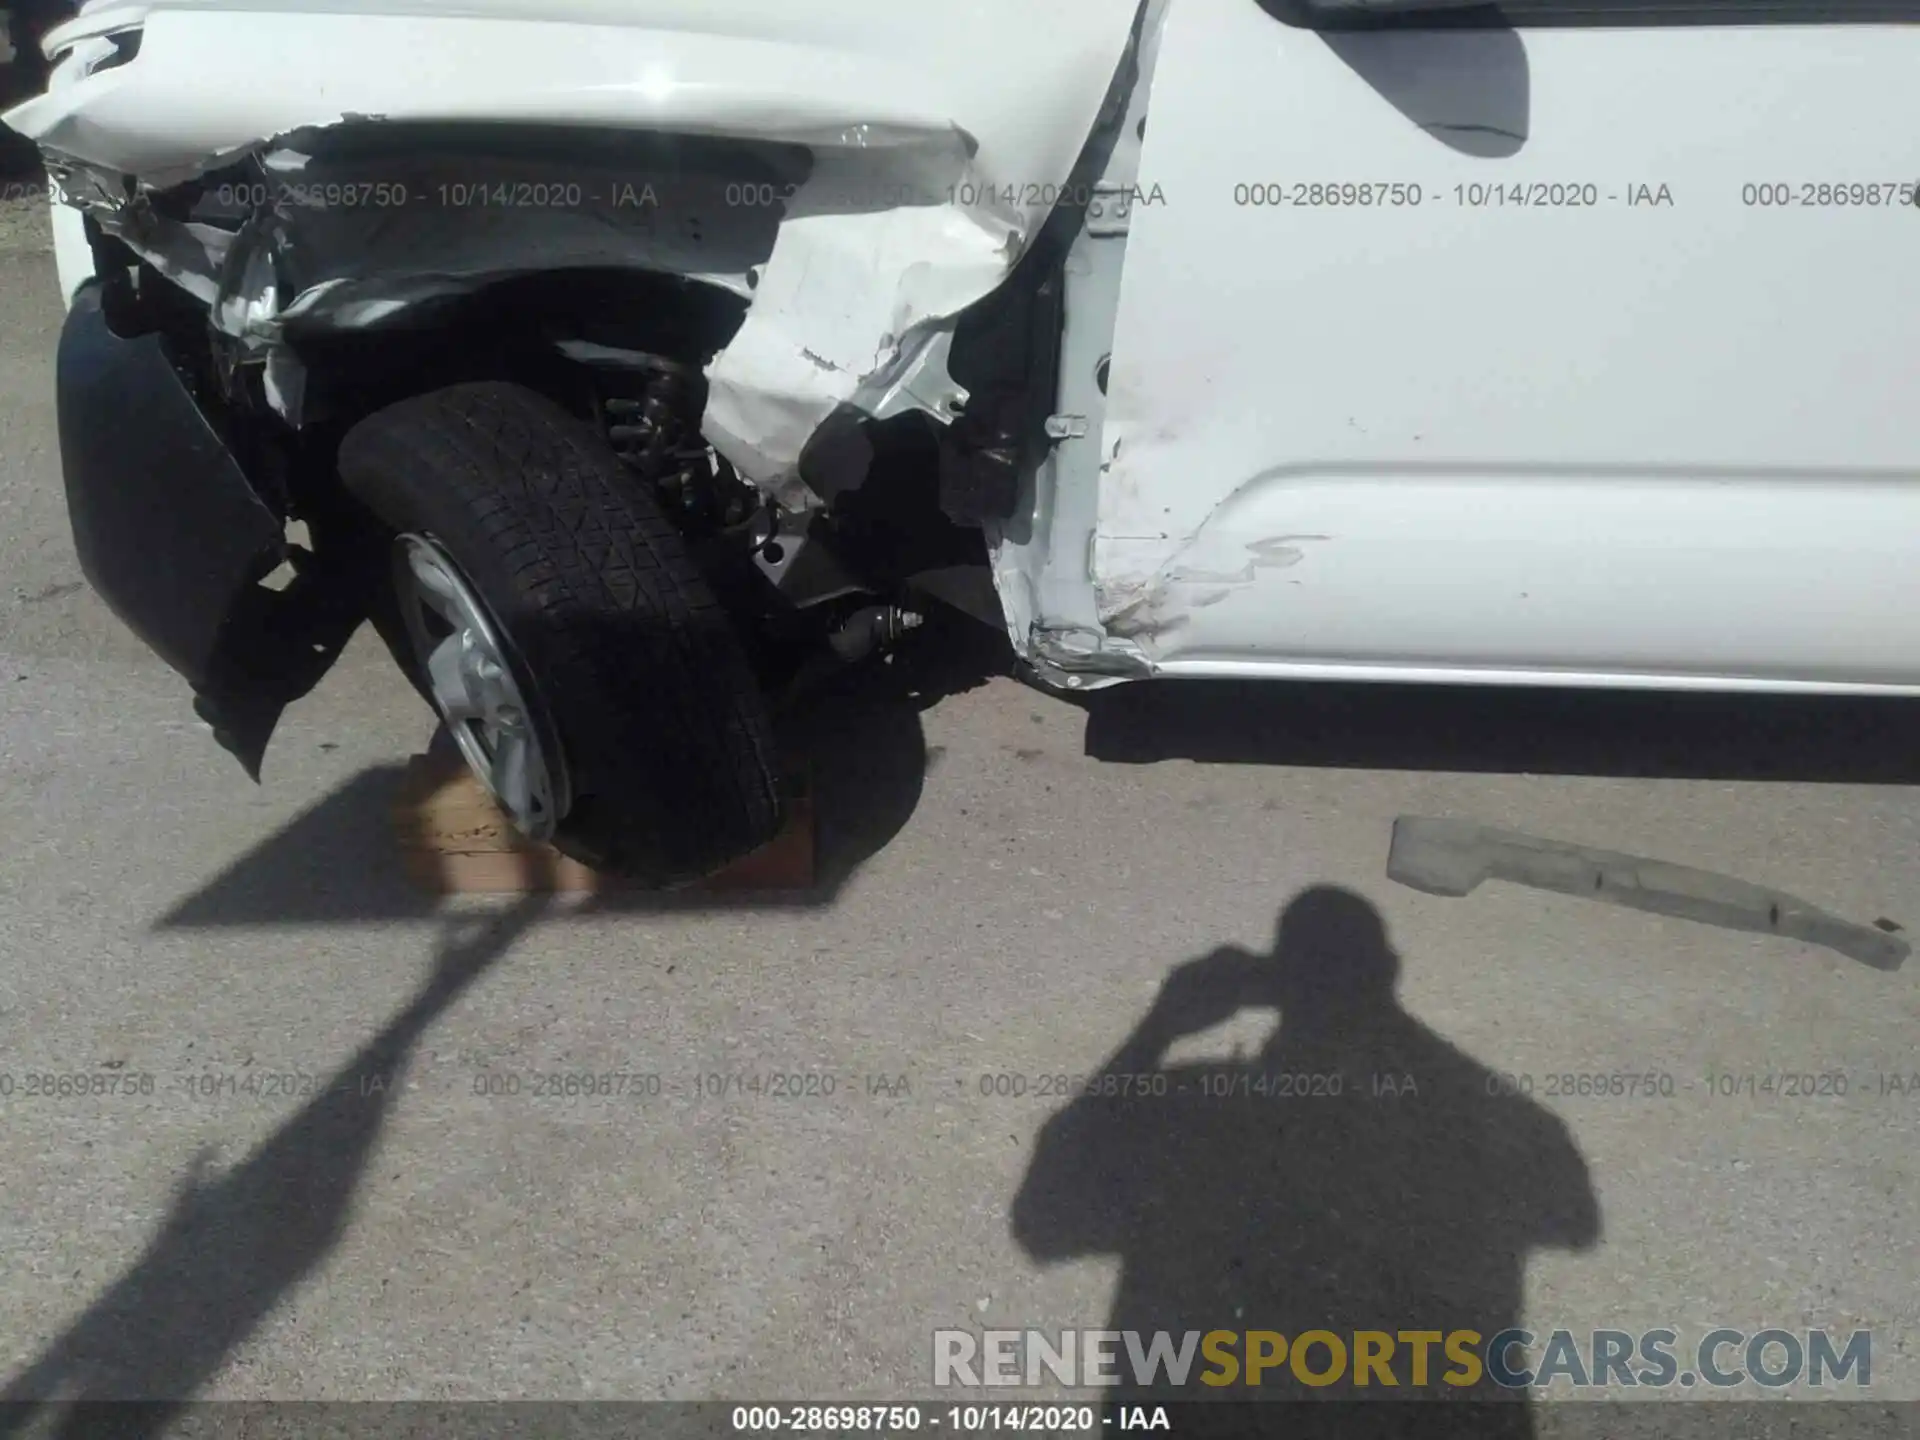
{"x":314,"y":1148}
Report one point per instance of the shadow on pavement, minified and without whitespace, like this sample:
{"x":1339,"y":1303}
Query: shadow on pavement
{"x":860,"y":742}
{"x":1819,"y":739}
{"x":236,"y":1243}
{"x":338,"y":862}
{"x":1398,"y":1193}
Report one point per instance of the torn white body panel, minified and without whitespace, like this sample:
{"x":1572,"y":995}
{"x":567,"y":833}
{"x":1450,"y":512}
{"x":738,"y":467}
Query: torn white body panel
{"x":939,"y":147}
{"x":846,"y":306}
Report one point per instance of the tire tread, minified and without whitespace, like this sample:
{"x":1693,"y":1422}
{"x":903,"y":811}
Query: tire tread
{"x":664,"y":727}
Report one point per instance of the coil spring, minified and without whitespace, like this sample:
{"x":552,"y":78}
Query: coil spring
{"x":657,"y":434}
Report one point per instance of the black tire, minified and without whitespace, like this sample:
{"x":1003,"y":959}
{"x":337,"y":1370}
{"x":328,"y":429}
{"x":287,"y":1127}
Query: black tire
{"x":637,"y":670}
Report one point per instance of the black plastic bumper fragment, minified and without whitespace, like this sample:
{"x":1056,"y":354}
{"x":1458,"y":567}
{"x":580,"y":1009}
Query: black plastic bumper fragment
{"x":175,"y":538}
{"x":167,"y":528}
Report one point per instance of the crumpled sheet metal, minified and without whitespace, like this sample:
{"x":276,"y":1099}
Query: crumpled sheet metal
{"x":845,"y":308}
{"x":939,"y":149}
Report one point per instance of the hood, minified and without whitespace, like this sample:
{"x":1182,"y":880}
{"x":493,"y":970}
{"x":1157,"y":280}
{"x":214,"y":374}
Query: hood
{"x":941,"y":136}
{"x":214,"y":78}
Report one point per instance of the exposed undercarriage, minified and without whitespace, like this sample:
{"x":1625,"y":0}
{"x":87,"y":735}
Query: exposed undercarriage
{"x":292,"y":310}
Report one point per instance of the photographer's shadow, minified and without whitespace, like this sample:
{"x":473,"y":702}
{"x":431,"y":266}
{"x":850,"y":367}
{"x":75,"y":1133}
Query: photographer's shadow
{"x":1409,"y":1201}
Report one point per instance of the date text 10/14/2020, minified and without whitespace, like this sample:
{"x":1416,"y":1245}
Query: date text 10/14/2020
{"x":910,"y":1419}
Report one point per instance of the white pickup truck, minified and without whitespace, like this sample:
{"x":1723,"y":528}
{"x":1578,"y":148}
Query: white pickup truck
{"x":1555,"y":342}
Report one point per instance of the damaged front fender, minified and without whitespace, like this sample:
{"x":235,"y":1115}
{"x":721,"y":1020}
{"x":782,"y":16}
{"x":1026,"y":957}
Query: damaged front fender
{"x":937,"y":149}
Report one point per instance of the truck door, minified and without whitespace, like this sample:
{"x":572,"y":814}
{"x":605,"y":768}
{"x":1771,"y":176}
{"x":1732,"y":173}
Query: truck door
{"x":1567,"y":340}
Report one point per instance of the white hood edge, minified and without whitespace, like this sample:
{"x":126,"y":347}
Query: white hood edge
{"x":853,"y":297}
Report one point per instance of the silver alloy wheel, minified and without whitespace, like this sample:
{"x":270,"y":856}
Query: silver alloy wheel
{"x":471,"y":679}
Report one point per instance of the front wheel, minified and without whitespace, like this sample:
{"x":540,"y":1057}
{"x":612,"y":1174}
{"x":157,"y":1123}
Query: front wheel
{"x":553,"y":617}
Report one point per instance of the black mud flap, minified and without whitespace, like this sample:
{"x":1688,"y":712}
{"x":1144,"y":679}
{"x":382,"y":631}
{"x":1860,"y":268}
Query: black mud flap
{"x":176,"y":539}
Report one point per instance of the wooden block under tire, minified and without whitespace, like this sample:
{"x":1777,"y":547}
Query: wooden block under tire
{"x":454,"y":841}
